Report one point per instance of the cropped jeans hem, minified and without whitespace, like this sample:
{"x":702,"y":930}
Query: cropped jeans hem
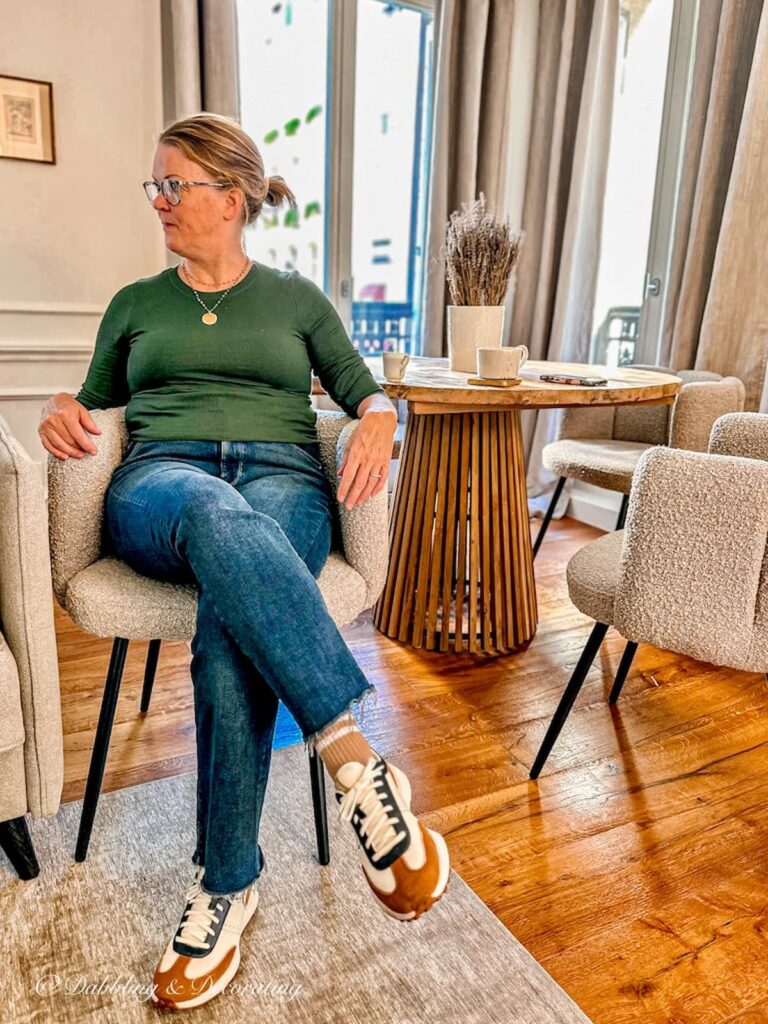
{"x":360,"y":704}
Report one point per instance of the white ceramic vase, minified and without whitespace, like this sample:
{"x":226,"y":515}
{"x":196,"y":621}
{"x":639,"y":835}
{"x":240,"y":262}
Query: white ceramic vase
{"x":469,"y":328}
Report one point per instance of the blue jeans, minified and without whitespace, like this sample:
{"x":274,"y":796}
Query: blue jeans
{"x":250,"y":524}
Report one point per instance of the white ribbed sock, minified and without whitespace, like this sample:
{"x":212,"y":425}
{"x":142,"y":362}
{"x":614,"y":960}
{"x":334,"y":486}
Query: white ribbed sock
{"x":341,"y":742}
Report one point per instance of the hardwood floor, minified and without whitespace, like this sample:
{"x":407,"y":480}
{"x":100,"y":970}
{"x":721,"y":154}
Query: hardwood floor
{"x":634,"y":870}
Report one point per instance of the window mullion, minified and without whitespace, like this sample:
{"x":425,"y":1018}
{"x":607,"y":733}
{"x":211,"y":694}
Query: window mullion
{"x":342,"y":29}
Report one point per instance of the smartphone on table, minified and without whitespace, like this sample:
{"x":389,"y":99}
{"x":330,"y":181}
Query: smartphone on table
{"x":572,"y":378}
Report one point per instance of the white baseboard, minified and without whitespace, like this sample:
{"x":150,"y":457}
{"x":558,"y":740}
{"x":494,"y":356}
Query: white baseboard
{"x":594,"y":506}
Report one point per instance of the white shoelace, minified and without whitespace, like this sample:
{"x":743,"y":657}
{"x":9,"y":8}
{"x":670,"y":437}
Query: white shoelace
{"x":378,"y":824}
{"x":199,"y":917}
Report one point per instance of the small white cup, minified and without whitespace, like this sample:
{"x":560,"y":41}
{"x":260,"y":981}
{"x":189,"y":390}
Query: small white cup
{"x":394,"y":365}
{"x":500,"y":363}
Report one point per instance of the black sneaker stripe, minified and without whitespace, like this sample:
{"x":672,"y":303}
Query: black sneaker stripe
{"x":386,"y":797}
{"x":183,"y":948}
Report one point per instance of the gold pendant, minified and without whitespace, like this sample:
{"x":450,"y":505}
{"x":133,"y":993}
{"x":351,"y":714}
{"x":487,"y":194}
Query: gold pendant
{"x":209,"y":318}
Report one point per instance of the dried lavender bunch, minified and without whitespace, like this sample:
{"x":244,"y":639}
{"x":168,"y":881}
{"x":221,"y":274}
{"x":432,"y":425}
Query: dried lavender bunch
{"x":480,"y":254}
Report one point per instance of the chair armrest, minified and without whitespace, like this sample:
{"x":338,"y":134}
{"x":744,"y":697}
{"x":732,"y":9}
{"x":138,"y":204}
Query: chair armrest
{"x":740,"y":433}
{"x":364,"y":528}
{"x":29,"y":674}
{"x":76,"y":492}
{"x":694,"y":544}
{"x":699,"y":403}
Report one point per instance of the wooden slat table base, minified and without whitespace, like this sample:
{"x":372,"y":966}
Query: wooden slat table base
{"x":461,"y":569}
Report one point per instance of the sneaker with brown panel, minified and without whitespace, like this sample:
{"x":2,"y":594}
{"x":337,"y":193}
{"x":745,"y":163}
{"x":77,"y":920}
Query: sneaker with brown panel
{"x":406,"y":864}
{"x":203,"y":955}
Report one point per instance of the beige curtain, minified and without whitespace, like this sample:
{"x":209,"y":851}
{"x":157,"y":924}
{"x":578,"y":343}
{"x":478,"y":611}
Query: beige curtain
{"x":470,"y":131}
{"x":565,"y":183}
{"x":200,"y":58}
{"x":717,"y":300}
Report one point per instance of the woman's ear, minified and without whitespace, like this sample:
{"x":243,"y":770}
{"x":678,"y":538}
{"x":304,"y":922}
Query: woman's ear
{"x":234,"y":201}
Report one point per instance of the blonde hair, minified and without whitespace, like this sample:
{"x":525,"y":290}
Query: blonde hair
{"x":219,"y":145}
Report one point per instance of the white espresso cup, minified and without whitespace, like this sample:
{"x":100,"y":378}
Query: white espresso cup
{"x":500,"y":363}
{"x":394,"y":365}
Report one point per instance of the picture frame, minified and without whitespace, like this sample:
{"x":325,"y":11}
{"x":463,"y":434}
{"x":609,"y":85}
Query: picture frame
{"x":26,"y":119}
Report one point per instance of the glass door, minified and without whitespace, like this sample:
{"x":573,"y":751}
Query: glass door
{"x":393,"y":72}
{"x":337,"y":97}
{"x":650,"y":101}
{"x":283,"y":50}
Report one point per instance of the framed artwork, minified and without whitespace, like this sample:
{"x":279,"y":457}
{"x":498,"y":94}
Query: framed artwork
{"x":26,"y":119}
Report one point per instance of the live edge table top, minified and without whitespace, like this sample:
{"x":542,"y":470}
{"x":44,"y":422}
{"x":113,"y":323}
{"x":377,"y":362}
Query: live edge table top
{"x":428,"y":383}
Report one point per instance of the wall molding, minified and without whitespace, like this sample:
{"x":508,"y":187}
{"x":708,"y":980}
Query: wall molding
{"x":59,"y":308}
{"x":29,"y":394}
{"x":44,"y":351}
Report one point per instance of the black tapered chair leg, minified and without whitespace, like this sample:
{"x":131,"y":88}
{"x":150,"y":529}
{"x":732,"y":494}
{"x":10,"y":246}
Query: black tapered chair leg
{"x":101,"y":745}
{"x":149,"y":674}
{"x":622,"y":512}
{"x":16,"y":843}
{"x":548,"y":515}
{"x":316,"y":775}
{"x":624,"y":666}
{"x":571,"y":692}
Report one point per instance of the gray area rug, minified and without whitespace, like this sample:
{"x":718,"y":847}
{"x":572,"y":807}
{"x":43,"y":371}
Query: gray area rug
{"x":84,"y":939}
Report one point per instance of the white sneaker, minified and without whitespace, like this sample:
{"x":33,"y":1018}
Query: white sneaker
{"x":405,"y":864}
{"x":203,"y":955}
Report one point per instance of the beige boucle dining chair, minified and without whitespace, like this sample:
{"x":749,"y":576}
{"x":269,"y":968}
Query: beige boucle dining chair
{"x":106,"y":598}
{"x":31,"y":735}
{"x":601,"y":446}
{"x":689,"y":573}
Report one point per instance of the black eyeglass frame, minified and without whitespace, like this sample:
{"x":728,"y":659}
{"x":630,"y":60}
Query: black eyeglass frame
{"x":166,"y":186}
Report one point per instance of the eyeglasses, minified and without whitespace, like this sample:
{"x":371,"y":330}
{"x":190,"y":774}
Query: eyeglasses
{"x":171,"y":188}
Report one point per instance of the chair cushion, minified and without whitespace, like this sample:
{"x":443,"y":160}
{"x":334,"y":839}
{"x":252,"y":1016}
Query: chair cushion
{"x":593,"y":576}
{"x":609,"y":464}
{"x":168,"y":611}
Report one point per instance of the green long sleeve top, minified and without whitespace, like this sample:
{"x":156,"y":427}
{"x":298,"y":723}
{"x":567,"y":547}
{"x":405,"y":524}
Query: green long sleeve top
{"x":245,"y":378}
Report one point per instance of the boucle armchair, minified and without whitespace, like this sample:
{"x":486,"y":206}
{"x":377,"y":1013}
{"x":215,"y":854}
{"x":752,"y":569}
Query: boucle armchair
{"x":602,"y":446}
{"x":106,"y":598}
{"x":689,"y":573}
{"x":31,"y":738}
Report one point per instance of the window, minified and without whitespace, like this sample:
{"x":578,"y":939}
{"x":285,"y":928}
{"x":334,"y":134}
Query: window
{"x":337,"y":97}
{"x":283,"y":69}
{"x":392,"y":75}
{"x":650,"y":104}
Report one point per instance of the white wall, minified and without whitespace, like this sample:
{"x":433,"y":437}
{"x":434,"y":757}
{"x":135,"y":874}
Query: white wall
{"x":74,"y":232}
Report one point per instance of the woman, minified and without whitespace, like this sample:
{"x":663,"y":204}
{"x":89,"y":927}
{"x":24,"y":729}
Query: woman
{"x":222,"y":486}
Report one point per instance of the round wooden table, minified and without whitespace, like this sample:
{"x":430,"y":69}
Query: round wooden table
{"x":461,"y":568}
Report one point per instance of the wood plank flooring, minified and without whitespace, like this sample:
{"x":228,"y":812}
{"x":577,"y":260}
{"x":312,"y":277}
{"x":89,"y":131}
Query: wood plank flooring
{"x":634,"y":870}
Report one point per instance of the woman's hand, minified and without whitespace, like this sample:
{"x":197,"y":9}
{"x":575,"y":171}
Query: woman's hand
{"x":61,"y":427}
{"x":364,"y":469}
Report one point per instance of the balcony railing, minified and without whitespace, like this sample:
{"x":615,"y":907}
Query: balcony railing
{"x":382,"y":327}
{"x":615,"y":340}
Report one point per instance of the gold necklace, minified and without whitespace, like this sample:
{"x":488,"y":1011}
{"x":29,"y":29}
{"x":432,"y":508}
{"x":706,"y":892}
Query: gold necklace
{"x":209,"y":317}
{"x":223,"y":283}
